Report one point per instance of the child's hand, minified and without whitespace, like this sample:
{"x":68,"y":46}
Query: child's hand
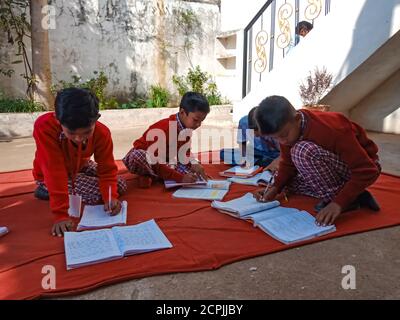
{"x":189,"y":177}
{"x":268,"y":196}
{"x":328,"y":214}
{"x":59,"y":228}
{"x":199,"y":170}
{"x":116,"y":207}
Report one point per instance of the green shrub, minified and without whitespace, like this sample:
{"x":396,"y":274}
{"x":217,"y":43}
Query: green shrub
{"x":18,"y":105}
{"x":139,"y":103}
{"x":97,"y":85}
{"x":198,"y":81}
{"x":159,"y":97}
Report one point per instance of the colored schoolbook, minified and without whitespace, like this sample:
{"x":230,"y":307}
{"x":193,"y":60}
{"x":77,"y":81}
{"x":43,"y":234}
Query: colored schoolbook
{"x":240,"y":171}
{"x":262,"y":178}
{"x":213,"y":190}
{"x":3,"y":231}
{"x":95,"y":217}
{"x":286,"y":225}
{"x":96,"y":246}
{"x":173,"y":184}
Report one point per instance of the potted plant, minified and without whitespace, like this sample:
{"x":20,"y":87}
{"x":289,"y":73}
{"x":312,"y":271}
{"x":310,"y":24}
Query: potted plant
{"x":316,"y":85}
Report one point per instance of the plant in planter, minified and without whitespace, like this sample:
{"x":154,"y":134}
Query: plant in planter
{"x":316,"y":85}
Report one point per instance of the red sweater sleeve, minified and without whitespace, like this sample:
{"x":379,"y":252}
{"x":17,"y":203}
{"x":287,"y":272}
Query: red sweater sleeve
{"x":49,"y":157}
{"x":106,"y":168}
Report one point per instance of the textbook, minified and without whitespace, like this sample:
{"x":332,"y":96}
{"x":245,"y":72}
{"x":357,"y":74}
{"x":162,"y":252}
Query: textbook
{"x":172,"y":183}
{"x":213,"y":190}
{"x":95,"y":217}
{"x":96,"y":246}
{"x":243,"y":172}
{"x":3,"y":231}
{"x":262,"y":178}
{"x":286,"y":225}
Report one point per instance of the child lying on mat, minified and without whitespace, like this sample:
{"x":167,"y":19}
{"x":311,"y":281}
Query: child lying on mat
{"x":163,"y":151}
{"x":255,"y":149}
{"x":323,"y":155}
{"x":65,"y":141}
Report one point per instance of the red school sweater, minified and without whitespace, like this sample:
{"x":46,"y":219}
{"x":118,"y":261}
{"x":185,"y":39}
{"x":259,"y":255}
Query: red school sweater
{"x":172,"y":140}
{"x":56,"y":159}
{"x":334,"y":132}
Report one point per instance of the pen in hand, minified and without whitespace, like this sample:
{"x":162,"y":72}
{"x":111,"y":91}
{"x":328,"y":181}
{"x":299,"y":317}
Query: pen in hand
{"x":268,"y":185}
{"x":109,"y":199}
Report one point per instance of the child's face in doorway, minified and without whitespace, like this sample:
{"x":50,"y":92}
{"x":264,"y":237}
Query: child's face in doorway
{"x":192,"y":120}
{"x":303,"y":32}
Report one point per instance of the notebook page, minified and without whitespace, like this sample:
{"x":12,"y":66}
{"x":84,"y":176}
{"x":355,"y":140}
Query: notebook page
{"x":244,"y":205}
{"x":213,"y":184}
{"x":242,"y":170}
{"x":143,"y":237}
{"x":295,"y":227}
{"x":202,"y":194}
{"x":253,"y":181}
{"x":82,"y":248}
{"x":270,"y":214}
{"x":96,"y":217}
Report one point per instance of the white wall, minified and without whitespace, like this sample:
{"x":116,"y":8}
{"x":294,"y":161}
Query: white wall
{"x":343,"y":40}
{"x":136,"y":43}
{"x":380,"y":110}
{"x":236,"y":14}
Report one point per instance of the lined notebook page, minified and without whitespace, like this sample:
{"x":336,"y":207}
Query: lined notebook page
{"x":143,"y":237}
{"x":242,"y":170}
{"x":96,"y":217}
{"x":271,"y":213}
{"x":202,"y":194}
{"x":253,"y":181}
{"x":244,"y":205}
{"x":88,"y":247}
{"x":294,"y":227}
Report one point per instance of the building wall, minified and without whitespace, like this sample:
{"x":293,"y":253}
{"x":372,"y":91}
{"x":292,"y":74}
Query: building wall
{"x":342,"y":41}
{"x":137,"y":43}
{"x":237,"y":14}
{"x":380,"y":110}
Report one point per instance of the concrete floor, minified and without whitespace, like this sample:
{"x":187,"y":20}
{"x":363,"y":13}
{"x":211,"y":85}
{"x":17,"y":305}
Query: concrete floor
{"x":309,"y":272}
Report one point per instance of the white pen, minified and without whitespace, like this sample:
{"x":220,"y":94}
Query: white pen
{"x":268,"y":185}
{"x":109,"y":198}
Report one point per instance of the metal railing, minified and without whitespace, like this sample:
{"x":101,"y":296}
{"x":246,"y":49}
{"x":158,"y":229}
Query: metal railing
{"x":272,"y":34}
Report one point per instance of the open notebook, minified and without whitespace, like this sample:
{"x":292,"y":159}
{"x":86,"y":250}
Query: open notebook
{"x":259,"y":179}
{"x":95,"y":246}
{"x":287,"y":225}
{"x":213,"y":190}
{"x":95,"y":217}
{"x":243,"y":172}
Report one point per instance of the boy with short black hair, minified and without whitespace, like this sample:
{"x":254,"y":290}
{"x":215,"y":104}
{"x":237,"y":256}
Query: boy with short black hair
{"x":160,"y":152}
{"x":65,"y":141}
{"x":323,"y":155}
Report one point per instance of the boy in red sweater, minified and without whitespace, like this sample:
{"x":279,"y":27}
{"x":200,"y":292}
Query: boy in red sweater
{"x":65,"y":141}
{"x":323,"y":155}
{"x":163,"y":151}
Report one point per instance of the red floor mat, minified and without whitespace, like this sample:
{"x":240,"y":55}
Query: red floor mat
{"x":203,"y":239}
